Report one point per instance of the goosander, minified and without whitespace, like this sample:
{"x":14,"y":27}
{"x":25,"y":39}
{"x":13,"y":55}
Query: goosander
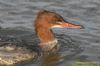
{"x":45,"y":21}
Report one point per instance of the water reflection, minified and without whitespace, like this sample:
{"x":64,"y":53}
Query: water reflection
{"x":51,"y":58}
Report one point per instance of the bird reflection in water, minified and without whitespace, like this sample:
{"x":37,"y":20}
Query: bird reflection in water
{"x":50,"y":59}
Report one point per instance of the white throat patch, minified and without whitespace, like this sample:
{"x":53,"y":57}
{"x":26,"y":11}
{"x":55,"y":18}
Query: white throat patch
{"x":49,"y":45}
{"x":56,"y":26}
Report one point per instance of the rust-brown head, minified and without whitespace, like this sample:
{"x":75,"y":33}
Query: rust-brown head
{"x":45,"y":21}
{"x":50,"y":20}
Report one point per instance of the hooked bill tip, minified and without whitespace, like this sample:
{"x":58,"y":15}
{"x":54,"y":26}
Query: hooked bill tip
{"x":82,"y":27}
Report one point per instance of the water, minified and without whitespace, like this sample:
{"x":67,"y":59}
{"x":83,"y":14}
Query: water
{"x":77,"y":45}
